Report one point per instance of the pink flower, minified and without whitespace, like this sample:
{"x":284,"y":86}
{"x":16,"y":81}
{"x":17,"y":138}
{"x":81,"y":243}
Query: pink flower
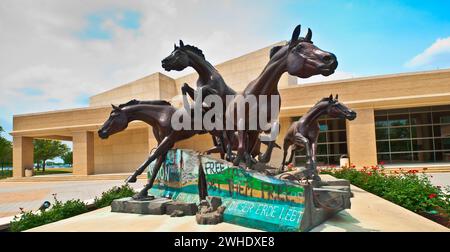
{"x":432,"y":195}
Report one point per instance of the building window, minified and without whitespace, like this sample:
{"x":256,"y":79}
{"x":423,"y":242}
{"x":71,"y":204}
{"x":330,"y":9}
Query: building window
{"x":331,"y":144}
{"x":413,"y":135}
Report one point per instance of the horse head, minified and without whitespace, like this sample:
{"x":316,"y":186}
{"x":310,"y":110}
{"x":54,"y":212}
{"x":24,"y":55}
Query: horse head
{"x":117,"y":122}
{"x":304,"y":59}
{"x":179,"y":59}
{"x":337,"y":109}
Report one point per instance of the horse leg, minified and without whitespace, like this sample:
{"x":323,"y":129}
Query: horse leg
{"x":144,"y":192}
{"x":202,"y":185}
{"x":186,"y":89}
{"x":286,"y":145}
{"x":316,"y":176}
{"x":163,"y":147}
{"x":302,"y":140}
{"x":241,"y":147}
{"x":229,"y":144}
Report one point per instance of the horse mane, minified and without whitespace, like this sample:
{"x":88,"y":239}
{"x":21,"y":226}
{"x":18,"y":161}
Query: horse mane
{"x":327,"y":99}
{"x":136,"y":102}
{"x":195,"y":50}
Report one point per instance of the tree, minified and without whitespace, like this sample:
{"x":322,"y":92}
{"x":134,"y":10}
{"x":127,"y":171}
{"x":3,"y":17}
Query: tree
{"x":48,"y":149}
{"x":67,"y":157}
{"x":5,"y":149}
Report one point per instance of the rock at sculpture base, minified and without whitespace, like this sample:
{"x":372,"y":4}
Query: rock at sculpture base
{"x":210,"y":211}
{"x":156,"y":206}
{"x":186,"y":208}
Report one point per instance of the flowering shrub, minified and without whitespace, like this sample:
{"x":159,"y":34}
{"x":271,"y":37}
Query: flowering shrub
{"x":116,"y":192}
{"x":405,"y":188}
{"x":59,"y":211}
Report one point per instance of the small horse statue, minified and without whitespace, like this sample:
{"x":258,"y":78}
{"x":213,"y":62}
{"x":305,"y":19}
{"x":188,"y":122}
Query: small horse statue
{"x":305,"y":132}
{"x":299,"y":57}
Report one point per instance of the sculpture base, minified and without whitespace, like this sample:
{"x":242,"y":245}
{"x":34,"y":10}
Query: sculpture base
{"x":249,"y":198}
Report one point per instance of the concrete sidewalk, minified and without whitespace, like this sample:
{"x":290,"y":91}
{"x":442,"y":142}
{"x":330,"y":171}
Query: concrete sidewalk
{"x":31,"y":195}
{"x":369,"y":213}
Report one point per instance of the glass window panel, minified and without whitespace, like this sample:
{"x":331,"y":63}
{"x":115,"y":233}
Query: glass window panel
{"x":401,"y":157}
{"x":337,"y":124}
{"x":323,"y":127}
{"x":399,"y":120}
{"x":337,"y":136}
{"x":382,"y":146}
{"x":322,"y":137}
{"x":384,"y":158}
{"x":442,"y":143}
{"x":420,"y":118}
{"x":421,"y":131}
{"x":380,"y":112}
{"x":420,"y":109}
{"x":423,"y":157}
{"x":322,"y":149}
{"x":381,"y":121}
{"x":441,"y":108}
{"x":381,"y":133}
{"x":443,"y":156}
{"x":337,"y":149}
{"x":334,"y":160}
{"x":442,"y":131}
{"x":401,"y":145}
{"x":399,"y":133}
{"x":441,"y":117}
{"x":422,"y":144}
{"x":322,"y":160}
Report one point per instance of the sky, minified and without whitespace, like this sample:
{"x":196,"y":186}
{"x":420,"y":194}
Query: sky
{"x":55,"y":54}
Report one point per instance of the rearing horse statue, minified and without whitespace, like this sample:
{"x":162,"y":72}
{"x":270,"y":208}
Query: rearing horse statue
{"x":299,"y":57}
{"x":210,"y":82}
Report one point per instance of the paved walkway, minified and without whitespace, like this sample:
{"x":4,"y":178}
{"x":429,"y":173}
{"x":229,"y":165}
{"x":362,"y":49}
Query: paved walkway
{"x":30,"y":195}
{"x":369,"y":213}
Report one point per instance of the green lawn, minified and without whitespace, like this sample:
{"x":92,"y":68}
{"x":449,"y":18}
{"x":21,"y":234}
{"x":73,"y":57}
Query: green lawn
{"x":53,"y":171}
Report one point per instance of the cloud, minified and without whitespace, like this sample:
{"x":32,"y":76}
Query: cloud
{"x":438,"y":54}
{"x":66,"y":50}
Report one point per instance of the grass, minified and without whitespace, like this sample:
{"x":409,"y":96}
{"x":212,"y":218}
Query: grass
{"x":51,"y":171}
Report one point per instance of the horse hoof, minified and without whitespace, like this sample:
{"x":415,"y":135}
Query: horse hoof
{"x":131,"y":179}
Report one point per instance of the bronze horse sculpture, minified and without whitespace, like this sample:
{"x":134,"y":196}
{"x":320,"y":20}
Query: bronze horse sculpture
{"x":305,"y":132}
{"x":210,"y":82}
{"x":299,"y":57}
{"x":157,"y":114}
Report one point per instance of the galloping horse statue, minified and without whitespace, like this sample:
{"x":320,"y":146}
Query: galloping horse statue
{"x":157,"y":114}
{"x":299,"y":57}
{"x":305,"y":132}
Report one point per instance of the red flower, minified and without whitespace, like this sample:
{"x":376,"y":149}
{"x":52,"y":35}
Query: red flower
{"x":382,"y":163}
{"x":369,"y":173}
{"x":432,"y":195}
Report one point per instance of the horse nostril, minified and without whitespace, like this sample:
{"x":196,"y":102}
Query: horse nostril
{"x":327,"y":58}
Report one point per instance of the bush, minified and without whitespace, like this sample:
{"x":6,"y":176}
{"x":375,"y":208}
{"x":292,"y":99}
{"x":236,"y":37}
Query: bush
{"x":58,"y":212}
{"x":114,"y":193}
{"x":407,"y":189}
